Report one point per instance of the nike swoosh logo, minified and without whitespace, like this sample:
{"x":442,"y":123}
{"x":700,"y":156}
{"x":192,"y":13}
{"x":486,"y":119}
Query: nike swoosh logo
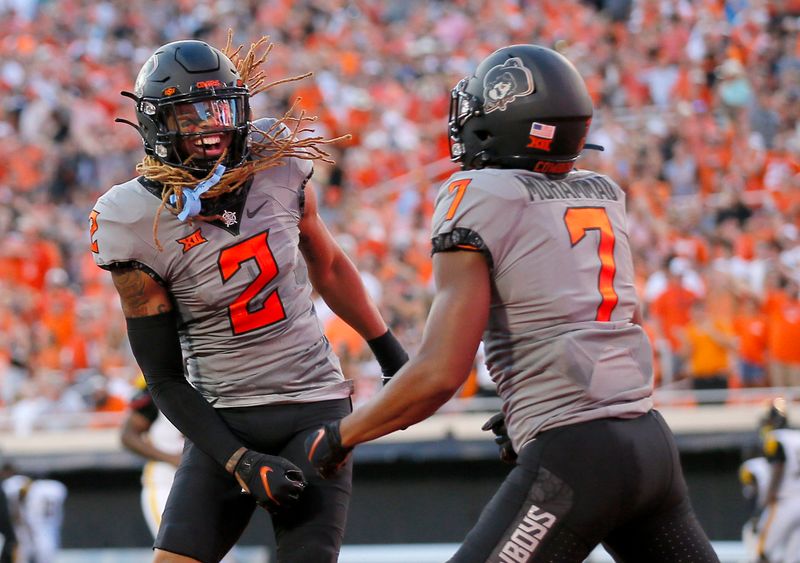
{"x":252,"y":213}
{"x":315,"y":443}
{"x":263,"y":473}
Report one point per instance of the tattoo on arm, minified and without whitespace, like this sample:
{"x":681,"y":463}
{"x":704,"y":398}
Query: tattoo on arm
{"x":140,"y":294}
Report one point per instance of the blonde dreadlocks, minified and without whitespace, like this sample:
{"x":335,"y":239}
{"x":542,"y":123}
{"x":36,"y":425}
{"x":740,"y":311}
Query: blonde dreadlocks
{"x":268,"y":148}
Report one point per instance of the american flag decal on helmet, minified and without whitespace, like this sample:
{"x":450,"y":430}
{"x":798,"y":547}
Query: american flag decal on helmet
{"x":542,"y":130}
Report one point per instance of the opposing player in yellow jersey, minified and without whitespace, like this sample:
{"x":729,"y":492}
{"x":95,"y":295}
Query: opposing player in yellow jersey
{"x":778,"y":526}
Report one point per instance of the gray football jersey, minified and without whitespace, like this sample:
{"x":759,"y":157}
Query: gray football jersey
{"x":249,"y":332}
{"x":560,"y":343}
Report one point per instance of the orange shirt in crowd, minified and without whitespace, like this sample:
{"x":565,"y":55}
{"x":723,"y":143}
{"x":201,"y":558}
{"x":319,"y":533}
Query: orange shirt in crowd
{"x":344,"y":339}
{"x":653,"y":192}
{"x":751,"y":332}
{"x":744,"y":246}
{"x":671,"y":309}
{"x":40,"y":257}
{"x":720,"y":302}
{"x":470,"y":386}
{"x":58,"y":314}
{"x":707,"y":356}
{"x":46,"y":357}
{"x":787,"y":200}
{"x":783,"y":328}
{"x":23,"y":171}
{"x":111,"y":404}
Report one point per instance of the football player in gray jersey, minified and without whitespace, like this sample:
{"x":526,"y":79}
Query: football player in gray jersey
{"x":214,"y":250}
{"x":532,"y":256}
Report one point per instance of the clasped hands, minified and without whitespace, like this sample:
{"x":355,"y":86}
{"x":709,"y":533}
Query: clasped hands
{"x":276,"y":483}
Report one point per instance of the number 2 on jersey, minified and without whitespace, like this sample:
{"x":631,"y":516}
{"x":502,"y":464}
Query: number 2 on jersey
{"x":581,"y":219}
{"x":230,"y":261}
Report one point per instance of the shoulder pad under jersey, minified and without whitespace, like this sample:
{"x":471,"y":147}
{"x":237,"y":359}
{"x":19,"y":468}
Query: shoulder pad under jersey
{"x":473,"y":211}
{"x":121,"y":226}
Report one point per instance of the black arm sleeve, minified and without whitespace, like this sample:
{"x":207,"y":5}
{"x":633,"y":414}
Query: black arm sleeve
{"x":156,"y":347}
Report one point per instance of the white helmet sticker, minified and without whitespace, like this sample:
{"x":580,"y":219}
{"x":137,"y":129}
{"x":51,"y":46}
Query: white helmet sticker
{"x":505,"y":83}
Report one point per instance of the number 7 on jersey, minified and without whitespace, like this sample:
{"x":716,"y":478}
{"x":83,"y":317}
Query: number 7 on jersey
{"x":579,"y":220}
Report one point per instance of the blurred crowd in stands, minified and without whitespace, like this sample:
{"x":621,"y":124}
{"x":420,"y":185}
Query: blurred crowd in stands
{"x":697,"y":106}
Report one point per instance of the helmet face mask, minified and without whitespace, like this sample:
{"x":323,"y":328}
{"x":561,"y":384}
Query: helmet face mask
{"x":463,"y":106}
{"x":524,"y":107}
{"x":191,"y":107}
{"x":200,"y":131}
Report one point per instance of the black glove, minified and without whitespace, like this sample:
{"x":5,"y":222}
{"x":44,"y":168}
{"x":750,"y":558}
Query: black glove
{"x":325,"y":451}
{"x":497,"y":424}
{"x":389,"y":353}
{"x":275,"y":482}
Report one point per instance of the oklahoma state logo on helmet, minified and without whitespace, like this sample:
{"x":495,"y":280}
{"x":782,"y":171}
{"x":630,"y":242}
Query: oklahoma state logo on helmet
{"x":505,"y":83}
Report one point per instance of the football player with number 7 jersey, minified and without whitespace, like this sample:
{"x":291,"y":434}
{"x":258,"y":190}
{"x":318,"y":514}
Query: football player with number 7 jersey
{"x":214,"y":250}
{"x":532,"y":256}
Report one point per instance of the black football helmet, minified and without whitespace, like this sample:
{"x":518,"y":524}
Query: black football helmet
{"x":183,"y":84}
{"x":526,"y":107}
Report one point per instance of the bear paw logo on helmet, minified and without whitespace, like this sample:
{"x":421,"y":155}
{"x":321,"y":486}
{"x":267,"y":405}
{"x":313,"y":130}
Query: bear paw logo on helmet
{"x":505,"y":83}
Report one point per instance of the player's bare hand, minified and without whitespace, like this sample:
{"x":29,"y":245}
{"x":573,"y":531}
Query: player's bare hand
{"x":325,"y":451}
{"x":275,"y":482}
